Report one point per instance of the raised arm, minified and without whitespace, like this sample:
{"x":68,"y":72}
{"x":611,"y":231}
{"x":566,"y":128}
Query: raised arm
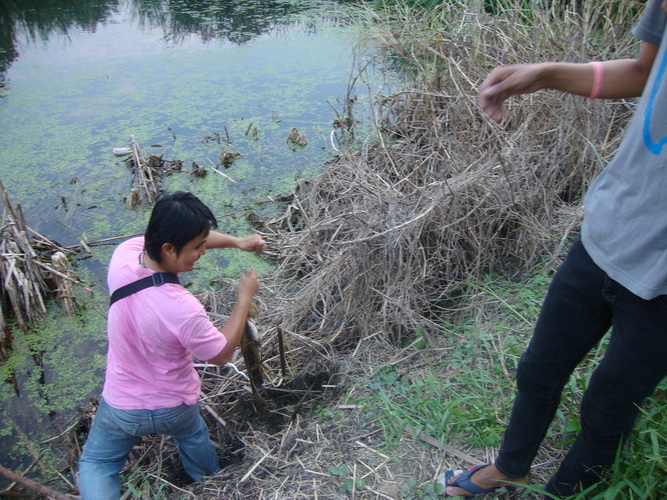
{"x":252,"y":243}
{"x":617,"y":79}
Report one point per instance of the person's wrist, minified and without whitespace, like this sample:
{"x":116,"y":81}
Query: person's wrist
{"x":547,"y":73}
{"x":245,"y":296}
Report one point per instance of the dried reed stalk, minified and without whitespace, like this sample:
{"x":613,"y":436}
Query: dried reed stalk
{"x":27,"y":274}
{"x":144,"y":181}
{"x":147,"y":175}
{"x":23,"y":284}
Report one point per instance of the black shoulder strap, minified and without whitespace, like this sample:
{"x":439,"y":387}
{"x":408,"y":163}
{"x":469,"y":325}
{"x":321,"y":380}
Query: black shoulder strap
{"x":155,"y":279}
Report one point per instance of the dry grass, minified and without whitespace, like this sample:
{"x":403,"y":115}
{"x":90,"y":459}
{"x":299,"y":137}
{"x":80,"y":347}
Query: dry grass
{"x":441,"y":195}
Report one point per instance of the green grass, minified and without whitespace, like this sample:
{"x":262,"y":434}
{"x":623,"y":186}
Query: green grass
{"x":641,"y":468}
{"x":142,"y":484}
{"x":466,"y":393}
{"x":464,"y":398}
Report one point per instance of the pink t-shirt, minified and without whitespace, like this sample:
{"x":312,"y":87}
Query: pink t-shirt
{"x":153,"y":335}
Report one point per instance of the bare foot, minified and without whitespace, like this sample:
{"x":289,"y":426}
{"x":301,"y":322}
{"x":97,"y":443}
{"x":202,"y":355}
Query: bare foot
{"x":488,"y":477}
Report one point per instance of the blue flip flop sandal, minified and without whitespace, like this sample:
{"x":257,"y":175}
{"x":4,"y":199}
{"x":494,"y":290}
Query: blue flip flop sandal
{"x":465,"y":483}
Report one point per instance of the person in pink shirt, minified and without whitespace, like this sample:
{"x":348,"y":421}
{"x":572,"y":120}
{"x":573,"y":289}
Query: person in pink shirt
{"x":151,"y":385}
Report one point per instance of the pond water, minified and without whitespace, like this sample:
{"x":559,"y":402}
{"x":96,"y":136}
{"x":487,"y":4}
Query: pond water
{"x":186,"y":78}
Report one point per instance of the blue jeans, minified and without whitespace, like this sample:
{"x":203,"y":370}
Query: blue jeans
{"x":115,"y":432}
{"x":581,"y":305}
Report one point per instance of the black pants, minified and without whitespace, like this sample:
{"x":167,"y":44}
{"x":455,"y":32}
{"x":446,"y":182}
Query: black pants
{"x":580,"y":307}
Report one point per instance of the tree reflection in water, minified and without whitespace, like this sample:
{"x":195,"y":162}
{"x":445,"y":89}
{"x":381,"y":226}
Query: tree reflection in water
{"x":235,"y":21}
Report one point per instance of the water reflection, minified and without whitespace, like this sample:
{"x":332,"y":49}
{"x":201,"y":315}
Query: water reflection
{"x":36,"y":20}
{"x":237,"y":22}
{"x":30,"y":21}
{"x":85,"y":75}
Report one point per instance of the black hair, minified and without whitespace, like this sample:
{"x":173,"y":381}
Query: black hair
{"x":176,"y":219}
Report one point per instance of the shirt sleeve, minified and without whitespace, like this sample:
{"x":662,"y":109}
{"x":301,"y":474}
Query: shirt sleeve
{"x":202,"y":338}
{"x":651,"y":26}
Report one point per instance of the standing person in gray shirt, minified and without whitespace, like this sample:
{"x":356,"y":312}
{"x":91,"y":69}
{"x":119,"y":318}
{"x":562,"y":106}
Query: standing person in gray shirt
{"x":615,"y":274}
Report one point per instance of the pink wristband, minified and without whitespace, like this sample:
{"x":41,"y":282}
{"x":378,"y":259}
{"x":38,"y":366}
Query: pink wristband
{"x":597,"y":79}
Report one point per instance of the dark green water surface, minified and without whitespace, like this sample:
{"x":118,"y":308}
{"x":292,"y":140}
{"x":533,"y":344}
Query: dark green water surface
{"x":77,"y":79}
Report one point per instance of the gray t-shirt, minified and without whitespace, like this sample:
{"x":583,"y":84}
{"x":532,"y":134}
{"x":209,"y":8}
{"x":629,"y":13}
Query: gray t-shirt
{"x":625,"y":226}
